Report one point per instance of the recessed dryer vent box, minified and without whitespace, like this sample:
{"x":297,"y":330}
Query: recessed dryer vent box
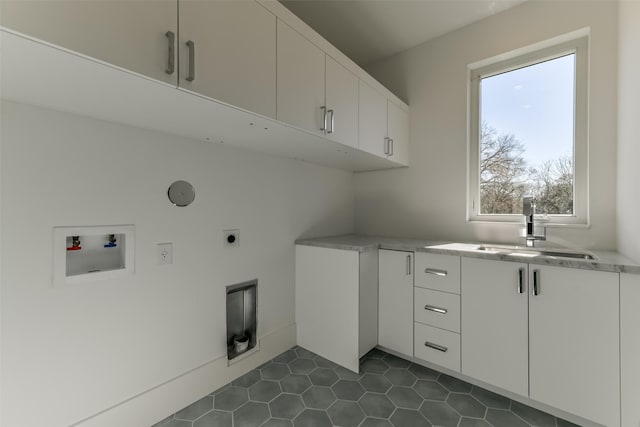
{"x":88,"y":254}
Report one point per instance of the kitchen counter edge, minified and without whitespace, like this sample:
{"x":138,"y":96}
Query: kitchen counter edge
{"x":608,"y":261}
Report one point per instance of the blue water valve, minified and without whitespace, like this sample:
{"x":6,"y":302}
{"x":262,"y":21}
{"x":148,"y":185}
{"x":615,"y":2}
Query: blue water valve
{"x":112,"y":241}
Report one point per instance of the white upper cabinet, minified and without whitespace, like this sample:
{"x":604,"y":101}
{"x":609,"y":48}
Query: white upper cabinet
{"x":247,"y":57}
{"x":341,"y":103}
{"x":138,"y":35}
{"x":233,"y":44}
{"x":495,"y":328}
{"x":574,"y":341}
{"x":383,"y":126}
{"x":372,"y":121}
{"x":301,"y":75}
{"x":398,"y":133}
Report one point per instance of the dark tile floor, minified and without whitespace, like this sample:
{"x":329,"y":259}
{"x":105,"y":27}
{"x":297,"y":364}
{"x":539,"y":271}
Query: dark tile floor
{"x":299,"y":388}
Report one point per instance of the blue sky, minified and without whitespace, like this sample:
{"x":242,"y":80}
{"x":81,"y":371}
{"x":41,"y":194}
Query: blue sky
{"x":536,"y":104}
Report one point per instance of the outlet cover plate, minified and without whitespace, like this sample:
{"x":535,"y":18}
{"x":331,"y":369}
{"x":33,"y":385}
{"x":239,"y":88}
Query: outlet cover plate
{"x":165,"y":253}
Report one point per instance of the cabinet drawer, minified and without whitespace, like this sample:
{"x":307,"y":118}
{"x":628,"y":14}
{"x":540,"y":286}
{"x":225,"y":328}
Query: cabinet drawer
{"x":439,"y":272}
{"x":435,"y":308}
{"x":437,"y":346}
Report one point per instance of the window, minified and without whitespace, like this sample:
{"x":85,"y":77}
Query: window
{"x":528,"y":136}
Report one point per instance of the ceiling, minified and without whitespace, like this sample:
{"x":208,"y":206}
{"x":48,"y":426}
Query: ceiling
{"x":370,"y":30}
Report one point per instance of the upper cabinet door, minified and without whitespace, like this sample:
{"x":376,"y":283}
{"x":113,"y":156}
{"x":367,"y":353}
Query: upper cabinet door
{"x":398,"y":131}
{"x":372,"y":121}
{"x":342,"y":104}
{"x":129,"y":34}
{"x":300,"y":81}
{"x":232,"y":51}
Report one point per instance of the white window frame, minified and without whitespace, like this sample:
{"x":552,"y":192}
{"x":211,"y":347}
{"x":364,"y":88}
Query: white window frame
{"x":532,"y":55}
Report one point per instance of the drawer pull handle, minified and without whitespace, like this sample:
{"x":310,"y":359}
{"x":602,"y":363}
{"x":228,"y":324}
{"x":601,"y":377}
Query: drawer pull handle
{"x":435,"y":346}
{"x":435,"y":309}
{"x":436,"y":272}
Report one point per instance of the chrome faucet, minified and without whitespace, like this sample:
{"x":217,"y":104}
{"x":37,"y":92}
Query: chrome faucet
{"x":529,"y":211}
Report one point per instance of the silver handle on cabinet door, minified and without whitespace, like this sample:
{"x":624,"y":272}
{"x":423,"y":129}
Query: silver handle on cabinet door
{"x":331,"y":122}
{"x":436,"y":346}
{"x":171,"y":40}
{"x":436,"y":272}
{"x":391,"y":146}
{"x":408,"y":265}
{"x":435,"y":309}
{"x":324,"y":118}
{"x":521,"y":280}
{"x":192,"y":61}
{"x":536,"y":282}
{"x":386,"y":145}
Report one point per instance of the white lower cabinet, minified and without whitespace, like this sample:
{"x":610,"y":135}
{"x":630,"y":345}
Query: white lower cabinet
{"x":563,"y":353}
{"x":495,"y":325}
{"x":630,"y":349}
{"x":395,"y":293}
{"x":336,"y":303}
{"x":437,"y":309}
{"x":574,"y":339}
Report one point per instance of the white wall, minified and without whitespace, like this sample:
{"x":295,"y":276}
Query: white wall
{"x":71,"y":352}
{"x":429,"y":198}
{"x":629,"y":130}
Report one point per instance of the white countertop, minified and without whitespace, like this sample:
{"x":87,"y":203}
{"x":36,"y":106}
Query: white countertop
{"x":605,"y":260}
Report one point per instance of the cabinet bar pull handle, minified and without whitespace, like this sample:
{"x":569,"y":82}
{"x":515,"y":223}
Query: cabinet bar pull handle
{"x":331,"y":122}
{"x":192,"y":61}
{"x":324,"y":118}
{"x":536,"y":282}
{"x":391,"y":147}
{"x":408,"y":265}
{"x":521,"y":280}
{"x":435,"y":309}
{"x":386,"y":145}
{"x":171,"y":40}
{"x":435,"y":346}
{"x":436,"y":272}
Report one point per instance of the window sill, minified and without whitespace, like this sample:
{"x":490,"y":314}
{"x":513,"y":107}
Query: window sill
{"x":520,"y":223}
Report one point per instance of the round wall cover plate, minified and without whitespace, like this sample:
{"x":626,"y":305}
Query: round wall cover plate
{"x":181,"y":193}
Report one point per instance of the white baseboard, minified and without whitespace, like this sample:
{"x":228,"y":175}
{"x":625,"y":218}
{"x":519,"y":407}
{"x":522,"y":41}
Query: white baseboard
{"x":151,"y":406}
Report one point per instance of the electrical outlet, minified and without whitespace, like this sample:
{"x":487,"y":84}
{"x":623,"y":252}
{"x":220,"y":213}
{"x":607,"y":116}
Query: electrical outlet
{"x":232,"y":237}
{"x":165,"y":253}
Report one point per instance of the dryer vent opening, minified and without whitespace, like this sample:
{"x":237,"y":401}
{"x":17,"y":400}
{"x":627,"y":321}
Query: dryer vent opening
{"x":242,"y":319}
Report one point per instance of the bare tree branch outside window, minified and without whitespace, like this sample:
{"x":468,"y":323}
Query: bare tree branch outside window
{"x":506,"y":176}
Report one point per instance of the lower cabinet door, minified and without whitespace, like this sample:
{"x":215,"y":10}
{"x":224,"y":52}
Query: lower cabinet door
{"x":327,"y":303}
{"x":395,"y":293}
{"x":438,"y":346}
{"x":574,"y":338}
{"x":494,"y":323}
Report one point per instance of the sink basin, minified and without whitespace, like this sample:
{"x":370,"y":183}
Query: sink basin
{"x":533,"y":252}
{"x":521,"y":251}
